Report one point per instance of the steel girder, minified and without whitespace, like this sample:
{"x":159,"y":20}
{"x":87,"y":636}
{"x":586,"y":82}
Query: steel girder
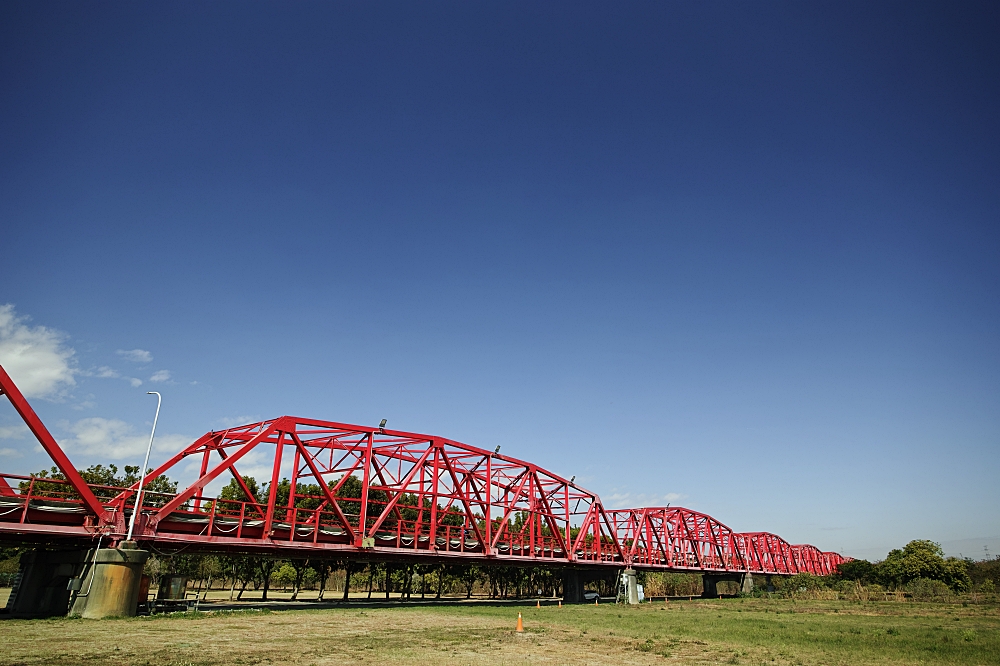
{"x":380,"y":493}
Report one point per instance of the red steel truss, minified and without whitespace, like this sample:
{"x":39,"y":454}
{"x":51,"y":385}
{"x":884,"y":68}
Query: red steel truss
{"x":372,"y":492}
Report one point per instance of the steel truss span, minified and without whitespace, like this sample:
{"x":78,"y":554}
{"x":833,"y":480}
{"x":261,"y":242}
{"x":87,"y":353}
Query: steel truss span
{"x":374,"y":493}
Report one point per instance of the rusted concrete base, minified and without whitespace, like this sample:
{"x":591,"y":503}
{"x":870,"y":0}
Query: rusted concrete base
{"x":110,"y":587}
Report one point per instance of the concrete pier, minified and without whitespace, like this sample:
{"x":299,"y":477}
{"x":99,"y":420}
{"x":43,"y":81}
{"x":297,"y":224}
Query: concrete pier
{"x":572,"y":586}
{"x":575,"y":581}
{"x":631,"y":586}
{"x":710,"y":583}
{"x":41,"y":587}
{"x":110,"y":585}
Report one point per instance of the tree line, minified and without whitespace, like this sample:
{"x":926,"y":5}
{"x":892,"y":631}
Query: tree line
{"x":338,"y":578}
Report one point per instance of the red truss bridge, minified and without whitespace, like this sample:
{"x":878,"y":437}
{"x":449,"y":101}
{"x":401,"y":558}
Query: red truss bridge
{"x":374,"y":493}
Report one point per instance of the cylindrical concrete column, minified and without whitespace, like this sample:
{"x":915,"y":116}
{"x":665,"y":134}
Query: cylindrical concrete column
{"x":110,"y":588}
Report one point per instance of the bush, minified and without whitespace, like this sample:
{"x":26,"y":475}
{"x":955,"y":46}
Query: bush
{"x":925,"y":589}
{"x":801,"y":583}
{"x":284,"y":576}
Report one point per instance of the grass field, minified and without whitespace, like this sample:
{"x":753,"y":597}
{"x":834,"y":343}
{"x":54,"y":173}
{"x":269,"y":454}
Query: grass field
{"x":730,"y":631}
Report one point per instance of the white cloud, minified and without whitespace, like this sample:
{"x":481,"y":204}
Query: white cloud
{"x":233,"y":421}
{"x":116,"y":439}
{"x":628,"y":500}
{"x":135,"y":355}
{"x":106,"y":372}
{"x":36,"y":358}
{"x":10,"y":453}
{"x":19,"y":431}
{"x":160,"y":376}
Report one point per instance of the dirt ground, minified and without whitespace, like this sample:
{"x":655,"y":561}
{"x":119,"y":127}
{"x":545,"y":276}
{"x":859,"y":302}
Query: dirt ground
{"x":733,"y":631}
{"x":398,"y":636}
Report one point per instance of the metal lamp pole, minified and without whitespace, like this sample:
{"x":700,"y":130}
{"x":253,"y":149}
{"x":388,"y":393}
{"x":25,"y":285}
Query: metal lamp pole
{"x":145,"y":464}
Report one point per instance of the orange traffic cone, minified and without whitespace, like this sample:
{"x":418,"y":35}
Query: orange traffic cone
{"x":520,"y":624}
{"x":596,"y":599}
{"x":560,"y":603}
{"x":538,"y":603}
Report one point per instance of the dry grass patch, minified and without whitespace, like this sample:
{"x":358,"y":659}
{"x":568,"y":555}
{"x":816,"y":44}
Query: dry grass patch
{"x":733,"y":631}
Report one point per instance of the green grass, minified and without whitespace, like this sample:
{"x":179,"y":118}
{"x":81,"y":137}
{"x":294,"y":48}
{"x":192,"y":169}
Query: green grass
{"x":780,"y":631}
{"x":730,"y":631}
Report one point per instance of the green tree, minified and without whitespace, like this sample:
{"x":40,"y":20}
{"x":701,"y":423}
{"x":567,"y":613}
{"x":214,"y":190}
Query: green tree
{"x":302,"y":570}
{"x":857,"y":570}
{"x":265,"y":567}
{"x":284,"y":576}
{"x":923,"y":559}
{"x":987,"y":569}
{"x":351,"y":567}
{"x":469,"y":574}
{"x":377,"y":499}
{"x":234,"y":492}
{"x":243,"y":569}
{"x":104,"y":482}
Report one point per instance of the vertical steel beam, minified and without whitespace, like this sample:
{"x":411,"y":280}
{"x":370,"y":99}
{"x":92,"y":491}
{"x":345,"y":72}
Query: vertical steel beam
{"x":363,"y":519}
{"x":272,"y":490}
{"x":289,"y":513}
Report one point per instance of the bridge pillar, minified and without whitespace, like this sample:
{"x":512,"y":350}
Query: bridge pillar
{"x":710,"y":583}
{"x":110,"y":585}
{"x":572,"y":586}
{"x":631,"y":586}
{"x":40,"y":589}
{"x":770,"y":585}
{"x":709,"y":586}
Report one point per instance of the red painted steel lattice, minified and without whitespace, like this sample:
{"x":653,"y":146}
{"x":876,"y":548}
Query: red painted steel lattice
{"x":357,"y":490}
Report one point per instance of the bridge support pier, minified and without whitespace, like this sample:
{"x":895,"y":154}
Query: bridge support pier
{"x":110,"y":585}
{"x":572,"y":586}
{"x":631,"y":585}
{"x":40,"y":589}
{"x":574,"y":583}
{"x":710,"y":583}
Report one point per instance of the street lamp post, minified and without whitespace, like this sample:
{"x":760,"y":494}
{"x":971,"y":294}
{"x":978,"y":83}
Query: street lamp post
{"x":142,"y":478}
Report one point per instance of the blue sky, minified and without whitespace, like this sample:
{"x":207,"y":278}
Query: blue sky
{"x":742,"y":258}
